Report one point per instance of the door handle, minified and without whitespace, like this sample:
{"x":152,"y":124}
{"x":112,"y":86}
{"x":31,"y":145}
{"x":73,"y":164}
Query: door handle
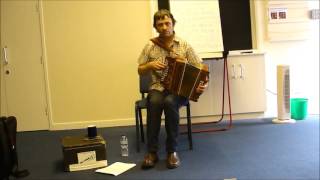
{"x":234,"y":76}
{"x":5,"y":55}
{"x":241,"y":71}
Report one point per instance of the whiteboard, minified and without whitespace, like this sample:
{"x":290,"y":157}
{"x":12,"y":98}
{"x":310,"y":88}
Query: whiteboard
{"x":198,"y":22}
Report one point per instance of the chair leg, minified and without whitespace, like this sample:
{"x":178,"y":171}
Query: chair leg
{"x":189,"y":127}
{"x":141,"y":125}
{"x":137,"y":129}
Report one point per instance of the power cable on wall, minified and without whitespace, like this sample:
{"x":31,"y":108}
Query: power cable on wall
{"x":274,"y":93}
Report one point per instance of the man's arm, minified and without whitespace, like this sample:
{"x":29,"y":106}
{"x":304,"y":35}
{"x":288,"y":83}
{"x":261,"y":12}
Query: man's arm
{"x":144,"y":64}
{"x":146,"y":67}
{"x":143,"y":69}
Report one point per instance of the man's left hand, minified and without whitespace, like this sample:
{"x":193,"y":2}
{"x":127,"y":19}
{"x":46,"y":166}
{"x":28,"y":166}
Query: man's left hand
{"x":202,"y":86}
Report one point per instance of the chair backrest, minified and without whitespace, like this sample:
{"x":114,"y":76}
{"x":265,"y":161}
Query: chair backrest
{"x":144,"y":81}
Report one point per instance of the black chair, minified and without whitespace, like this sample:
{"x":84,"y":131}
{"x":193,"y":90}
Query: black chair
{"x":143,"y":103}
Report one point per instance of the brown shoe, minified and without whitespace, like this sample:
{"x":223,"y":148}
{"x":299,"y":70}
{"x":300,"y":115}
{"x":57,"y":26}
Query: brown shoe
{"x":149,"y":161}
{"x":173,"y":160}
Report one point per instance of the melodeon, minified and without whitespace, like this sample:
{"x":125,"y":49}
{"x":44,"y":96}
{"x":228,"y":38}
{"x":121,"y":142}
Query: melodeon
{"x":182,"y":78}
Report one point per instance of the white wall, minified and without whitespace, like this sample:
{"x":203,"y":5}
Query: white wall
{"x":301,"y":55}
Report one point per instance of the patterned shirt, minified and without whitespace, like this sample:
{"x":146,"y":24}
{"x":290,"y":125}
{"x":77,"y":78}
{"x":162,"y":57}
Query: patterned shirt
{"x":152,"y":52}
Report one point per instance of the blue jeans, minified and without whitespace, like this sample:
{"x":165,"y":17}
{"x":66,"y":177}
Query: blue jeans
{"x":170,"y":104}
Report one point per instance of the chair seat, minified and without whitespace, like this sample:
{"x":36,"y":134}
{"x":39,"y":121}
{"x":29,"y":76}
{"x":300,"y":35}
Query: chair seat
{"x":142,"y":103}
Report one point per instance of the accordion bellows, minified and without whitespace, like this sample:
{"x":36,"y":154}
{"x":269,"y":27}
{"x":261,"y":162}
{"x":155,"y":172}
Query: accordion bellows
{"x":182,"y":78}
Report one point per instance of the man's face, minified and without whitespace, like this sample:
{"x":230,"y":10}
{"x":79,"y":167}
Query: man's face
{"x":164,"y":26}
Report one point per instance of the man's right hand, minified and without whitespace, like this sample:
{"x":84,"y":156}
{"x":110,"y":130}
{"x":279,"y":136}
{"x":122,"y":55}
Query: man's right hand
{"x":156,"y":65}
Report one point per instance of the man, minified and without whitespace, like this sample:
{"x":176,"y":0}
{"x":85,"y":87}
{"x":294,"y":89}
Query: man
{"x":153,"y":60}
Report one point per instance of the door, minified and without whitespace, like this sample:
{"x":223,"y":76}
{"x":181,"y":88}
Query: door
{"x":22,"y":71}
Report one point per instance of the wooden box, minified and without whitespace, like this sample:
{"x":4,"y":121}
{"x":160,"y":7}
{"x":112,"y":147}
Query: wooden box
{"x":81,"y":153}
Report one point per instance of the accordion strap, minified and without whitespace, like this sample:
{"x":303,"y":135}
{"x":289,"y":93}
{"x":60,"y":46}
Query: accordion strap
{"x":170,"y":50}
{"x":161,"y":44}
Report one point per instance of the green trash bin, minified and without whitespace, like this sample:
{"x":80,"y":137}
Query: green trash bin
{"x":299,"y":108}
